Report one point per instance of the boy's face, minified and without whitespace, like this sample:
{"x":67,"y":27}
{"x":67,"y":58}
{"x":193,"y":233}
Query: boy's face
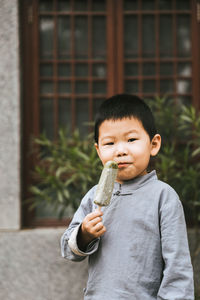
{"x":127,"y":143}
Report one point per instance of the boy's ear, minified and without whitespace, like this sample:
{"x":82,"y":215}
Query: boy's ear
{"x":155,"y":144}
{"x":97,"y":148}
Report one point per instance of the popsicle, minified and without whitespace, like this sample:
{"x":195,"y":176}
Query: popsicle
{"x":106,"y":184}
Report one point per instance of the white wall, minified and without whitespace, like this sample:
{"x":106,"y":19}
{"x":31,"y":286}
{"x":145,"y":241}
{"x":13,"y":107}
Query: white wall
{"x":31,"y":267}
{"x":9,"y":116}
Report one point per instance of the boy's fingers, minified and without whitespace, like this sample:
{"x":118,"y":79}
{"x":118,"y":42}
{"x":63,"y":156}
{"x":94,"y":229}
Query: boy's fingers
{"x":99,"y":226}
{"x":95,"y":221}
{"x":92,"y":224}
{"x":101,"y":231}
{"x":98,"y":230}
{"x":94,"y":215}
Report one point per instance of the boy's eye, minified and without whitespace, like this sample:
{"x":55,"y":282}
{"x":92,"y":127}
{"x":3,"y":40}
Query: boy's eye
{"x":109,"y":143}
{"x":131,"y":140}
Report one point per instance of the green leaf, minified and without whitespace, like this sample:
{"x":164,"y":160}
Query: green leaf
{"x":60,"y":197}
{"x":60,"y":171}
{"x":196,"y":152}
{"x":66,"y":193}
{"x":35,"y":190}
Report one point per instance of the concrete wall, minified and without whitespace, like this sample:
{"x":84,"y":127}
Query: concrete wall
{"x":9,"y":116}
{"x":31,"y":267}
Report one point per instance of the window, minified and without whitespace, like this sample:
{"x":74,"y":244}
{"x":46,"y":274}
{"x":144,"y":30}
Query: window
{"x":75,"y":53}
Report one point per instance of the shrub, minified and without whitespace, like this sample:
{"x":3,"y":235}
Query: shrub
{"x":66,"y":169}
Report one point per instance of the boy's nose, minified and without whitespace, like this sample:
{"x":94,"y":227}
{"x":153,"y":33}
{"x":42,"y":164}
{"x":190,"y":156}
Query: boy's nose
{"x":121,"y":150}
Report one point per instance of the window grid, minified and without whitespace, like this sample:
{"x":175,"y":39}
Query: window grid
{"x":90,"y":61}
{"x":156,"y":15}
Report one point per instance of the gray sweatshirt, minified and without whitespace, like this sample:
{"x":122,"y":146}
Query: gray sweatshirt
{"x":144,"y":253}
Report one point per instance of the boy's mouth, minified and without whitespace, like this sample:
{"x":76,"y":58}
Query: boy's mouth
{"x":123,"y":164}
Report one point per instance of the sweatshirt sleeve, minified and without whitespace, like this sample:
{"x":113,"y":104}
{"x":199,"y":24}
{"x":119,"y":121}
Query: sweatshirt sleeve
{"x":177,"y":282}
{"x":69,"y":247}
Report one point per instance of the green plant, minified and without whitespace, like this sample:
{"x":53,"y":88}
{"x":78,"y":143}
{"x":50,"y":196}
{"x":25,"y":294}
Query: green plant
{"x":178,"y":160}
{"x":190,"y":125}
{"x":66,"y":169}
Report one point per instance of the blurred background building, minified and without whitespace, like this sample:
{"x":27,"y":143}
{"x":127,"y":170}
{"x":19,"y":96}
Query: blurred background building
{"x":59,"y":60}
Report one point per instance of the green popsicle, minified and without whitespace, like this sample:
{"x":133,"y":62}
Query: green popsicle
{"x":106,"y":184}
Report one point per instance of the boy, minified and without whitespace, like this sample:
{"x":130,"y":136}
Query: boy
{"x":137,"y":246}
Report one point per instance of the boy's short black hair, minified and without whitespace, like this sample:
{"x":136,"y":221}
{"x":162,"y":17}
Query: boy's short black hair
{"x":125,"y":106}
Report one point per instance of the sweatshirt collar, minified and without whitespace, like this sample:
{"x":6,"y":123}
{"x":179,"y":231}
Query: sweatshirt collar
{"x":131,"y":185}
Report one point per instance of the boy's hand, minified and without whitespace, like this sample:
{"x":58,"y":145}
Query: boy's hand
{"x":91,"y":228}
